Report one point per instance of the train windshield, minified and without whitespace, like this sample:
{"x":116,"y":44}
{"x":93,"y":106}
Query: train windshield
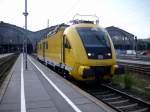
{"x":96,"y":43}
{"x":93,"y":37}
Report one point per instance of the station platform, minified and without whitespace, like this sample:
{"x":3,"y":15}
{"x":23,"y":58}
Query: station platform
{"x":134,"y":61}
{"x":38,"y":89}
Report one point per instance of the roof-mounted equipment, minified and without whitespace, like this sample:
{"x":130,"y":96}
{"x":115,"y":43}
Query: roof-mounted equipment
{"x":92,"y":19}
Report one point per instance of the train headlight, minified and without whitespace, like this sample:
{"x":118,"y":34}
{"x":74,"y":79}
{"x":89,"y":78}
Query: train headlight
{"x":89,"y":54}
{"x":109,"y":54}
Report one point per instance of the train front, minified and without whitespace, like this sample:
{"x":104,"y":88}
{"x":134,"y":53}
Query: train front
{"x":100,"y":59}
{"x":93,"y":51}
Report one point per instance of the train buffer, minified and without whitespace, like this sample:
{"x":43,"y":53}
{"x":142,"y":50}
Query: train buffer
{"x":38,"y":89}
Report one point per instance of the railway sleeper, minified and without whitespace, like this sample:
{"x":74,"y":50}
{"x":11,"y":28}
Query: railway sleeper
{"x":141,"y":110}
{"x":127,"y":106}
{"x":100,"y":93}
{"x":108,"y":95}
{"x":124,"y":103}
{"x":136,"y":109}
{"x":111,"y":98}
{"x":118,"y":102}
{"x":104,"y":96}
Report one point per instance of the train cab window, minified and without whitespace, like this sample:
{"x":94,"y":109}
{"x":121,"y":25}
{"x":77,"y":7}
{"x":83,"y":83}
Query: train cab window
{"x":67,"y":44}
{"x":96,"y":42}
{"x":94,"y":37}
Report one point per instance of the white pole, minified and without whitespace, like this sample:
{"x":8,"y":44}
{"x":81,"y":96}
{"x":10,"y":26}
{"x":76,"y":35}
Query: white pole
{"x":48,"y":23}
{"x":26,"y":14}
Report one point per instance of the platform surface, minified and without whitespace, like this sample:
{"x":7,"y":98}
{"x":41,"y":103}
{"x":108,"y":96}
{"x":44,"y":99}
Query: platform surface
{"x":38,"y":89}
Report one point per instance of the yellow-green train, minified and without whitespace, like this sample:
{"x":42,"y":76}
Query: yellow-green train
{"x":82,"y":50}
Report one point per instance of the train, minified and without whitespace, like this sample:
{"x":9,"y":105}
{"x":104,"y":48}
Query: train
{"x":82,"y":50}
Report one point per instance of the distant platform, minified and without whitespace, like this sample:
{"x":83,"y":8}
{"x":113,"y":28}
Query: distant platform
{"x":4,"y":55}
{"x":134,"y":61}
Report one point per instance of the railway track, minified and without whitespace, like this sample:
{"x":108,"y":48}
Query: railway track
{"x":5,"y":65}
{"x":139,"y":68}
{"x":119,"y":101}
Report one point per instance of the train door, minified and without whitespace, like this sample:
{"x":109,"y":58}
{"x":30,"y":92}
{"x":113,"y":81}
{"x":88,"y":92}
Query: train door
{"x":62,"y":50}
{"x":67,"y":52}
{"x":44,"y":51}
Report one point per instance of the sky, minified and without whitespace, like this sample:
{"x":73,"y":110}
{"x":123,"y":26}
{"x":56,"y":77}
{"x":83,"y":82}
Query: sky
{"x":130,"y":15}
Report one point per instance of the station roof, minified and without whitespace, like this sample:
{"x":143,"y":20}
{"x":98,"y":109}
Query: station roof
{"x":119,"y":36}
{"x":11,"y":34}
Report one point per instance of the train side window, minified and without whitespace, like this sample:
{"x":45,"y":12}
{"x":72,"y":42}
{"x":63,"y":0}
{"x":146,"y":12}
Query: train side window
{"x":40,"y":46}
{"x":67,"y":44}
{"x":46,"y":45}
{"x":43,"y":45}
